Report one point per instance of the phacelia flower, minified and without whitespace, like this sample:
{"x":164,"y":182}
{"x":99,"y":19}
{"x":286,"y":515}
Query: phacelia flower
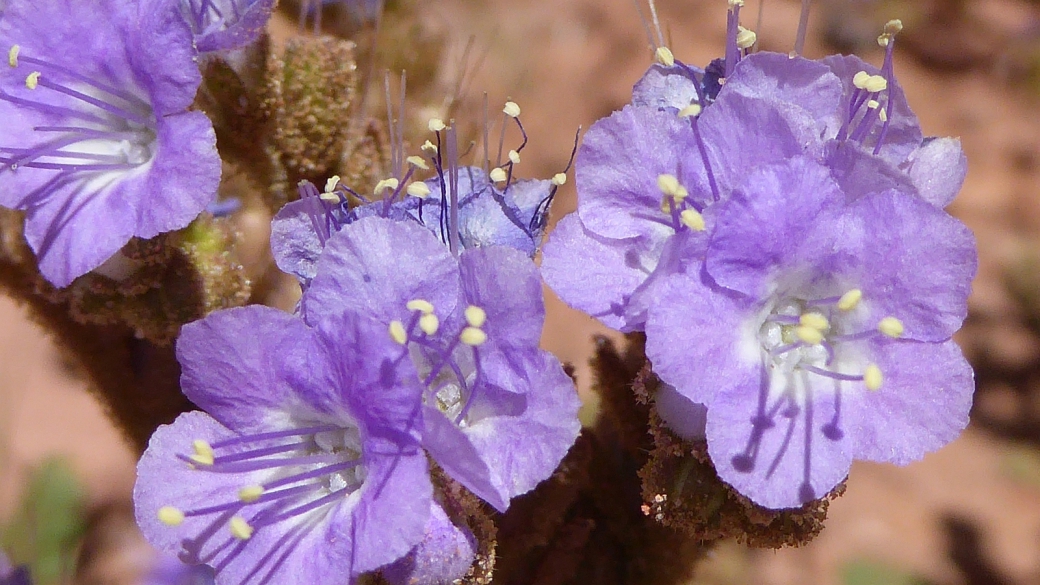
{"x":169,"y":570}
{"x":13,"y":575}
{"x":498,"y":412}
{"x":97,"y":144}
{"x":306,"y":465}
{"x":226,"y":24}
{"x":444,"y":555}
{"x":488,"y":208}
{"x":817,"y":331}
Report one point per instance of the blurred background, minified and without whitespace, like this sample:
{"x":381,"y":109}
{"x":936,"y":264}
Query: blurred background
{"x":967,"y":515}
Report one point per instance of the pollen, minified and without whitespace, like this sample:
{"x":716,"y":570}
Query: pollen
{"x":429,"y":148}
{"x":240,"y":529}
{"x":397,"y":332}
{"x":810,"y":335}
{"x":329,"y":198}
{"x":422,"y":305}
{"x":891,"y":327}
{"x":664,"y":56}
{"x":385,"y":185}
{"x":873,"y":104}
{"x":436,"y":125}
{"x":475,"y":316}
{"x":250,"y":494}
{"x":511,"y":109}
{"x":170,"y":516}
{"x":875,"y":83}
{"x":815,"y":320}
{"x":893,"y":27}
{"x":429,"y":323}
{"x":850,"y":300}
{"x":860,"y":79}
{"x":514,"y":157}
{"x":692,"y":219}
{"x":559,"y":179}
{"x":692,"y":110}
{"x":746,"y":38}
{"x":331,"y":184}
{"x":670,"y":186}
{"x":418,"y":162}
{"x":872,"y":377}
{"x":12,"y":56}
{"x":203,"y":454}
{"x":418,"y":189}
{"x":498,"y":174}
{"x":735,"y":3}
{"x":32,"y":80}
{"x":473,"y":336}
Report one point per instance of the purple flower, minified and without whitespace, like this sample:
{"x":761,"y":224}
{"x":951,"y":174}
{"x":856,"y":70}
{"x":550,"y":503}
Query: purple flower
{"x":305,"y":467}
{"x":169,"y":570}
{"x":498,"y":413}
{"x":13,"y":575}
{"x":99,"y":148}
{"x":817,"y":331}
{"x":226,"y":24}
{"x":445,"y":554}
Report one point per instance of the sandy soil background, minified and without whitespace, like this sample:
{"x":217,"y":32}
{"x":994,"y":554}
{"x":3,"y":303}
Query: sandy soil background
{"x":969,"y":514}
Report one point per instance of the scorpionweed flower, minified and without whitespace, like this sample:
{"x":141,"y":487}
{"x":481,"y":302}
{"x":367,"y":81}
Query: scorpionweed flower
{"x":498,"y":412}
{"x":226,"y":24}
{"x":97,"y":144}
{"x":489,"y":208}
{"x":306,"y":466}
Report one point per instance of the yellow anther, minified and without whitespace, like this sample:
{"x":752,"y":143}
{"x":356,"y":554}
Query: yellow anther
{"x":386,"y":185}
{"x":875,"y":83}
{"x":417,"y":162}
{"x":475,"y":316}
{"x":735,"y":3}
{"x":893,"y":27}
{"x":240,"y":529}
{"x":32,"y":80}
{"x":882,"y":115}
{"x":745,"y":38}
{"x":429,"y":148}
{"x":511,"y":109}
{"x":418,"y":189}
{"x":810,"y":335}
{"x":815,"y":320}
{"x":329,"y":198}
{"x":559,"y":179}
{"x":397,"y":332}
{"x":891,"y":327}
{"x":429,"y":323}
{"x":498,"y":174}
{"x":670,"y":186}
{"x":422,"y":305}
{"x":860,"y":79}
{"x":203,"y":452}
{"x":692,"y":219}
{"x":692,"y":110}
{"x":668,"y":203}
{"x":473,"y":336}
{"x":170,"y":516}
{"x":331,"y":184}
{"x":436,"y":125}
{"x":872,"y":104}
{"x":514,"y":157}
{"x":850,"y":300}
{"x":872,"y":377}
{"x":664,"y":56}
{"x":883,"y":40}
{"x":12,"y":56}
{"x":251,"y":493}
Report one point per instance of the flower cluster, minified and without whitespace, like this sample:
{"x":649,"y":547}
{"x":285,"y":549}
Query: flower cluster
{"x":102,"y":147}
{"x":312,"y":456}
{"x":775,"y":225}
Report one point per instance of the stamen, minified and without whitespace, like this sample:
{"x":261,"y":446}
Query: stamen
{"x":664,"y":56}
{"x":418,"y":189}
{"x":331,"y":184}
{"x":497,"y":174}
{"x":810,"y":335}
{"x":690,"y":111}
{"x":669,"y":185}
{"x":473,"y":336}
{"x":203,"y":452}
{"x":559,"y":179}
{"x":386,"y":184}
{"x":745,"y":38}
{"x":692,"y":219}
{"x":250,"y":494}
{"x":418,"y":162}
{"x":170,"y":516}
{"x":12,"y":56}
{"x":891,"y":327}
{"x":850,"y":300}
{"x":511,"y":109}
{"x":240,"y":529}
{"x":872,"y":377}
{"x":514,"y":157}
{"x":429,"y":148}
{"x":815,"y":320}
{"x":435,"y":125}
{"x":475,"y":316}
{"x":397,"y":332}
{"x":429,"y":323}
{"x":32,"y":80}
{"x":422,"y":305}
